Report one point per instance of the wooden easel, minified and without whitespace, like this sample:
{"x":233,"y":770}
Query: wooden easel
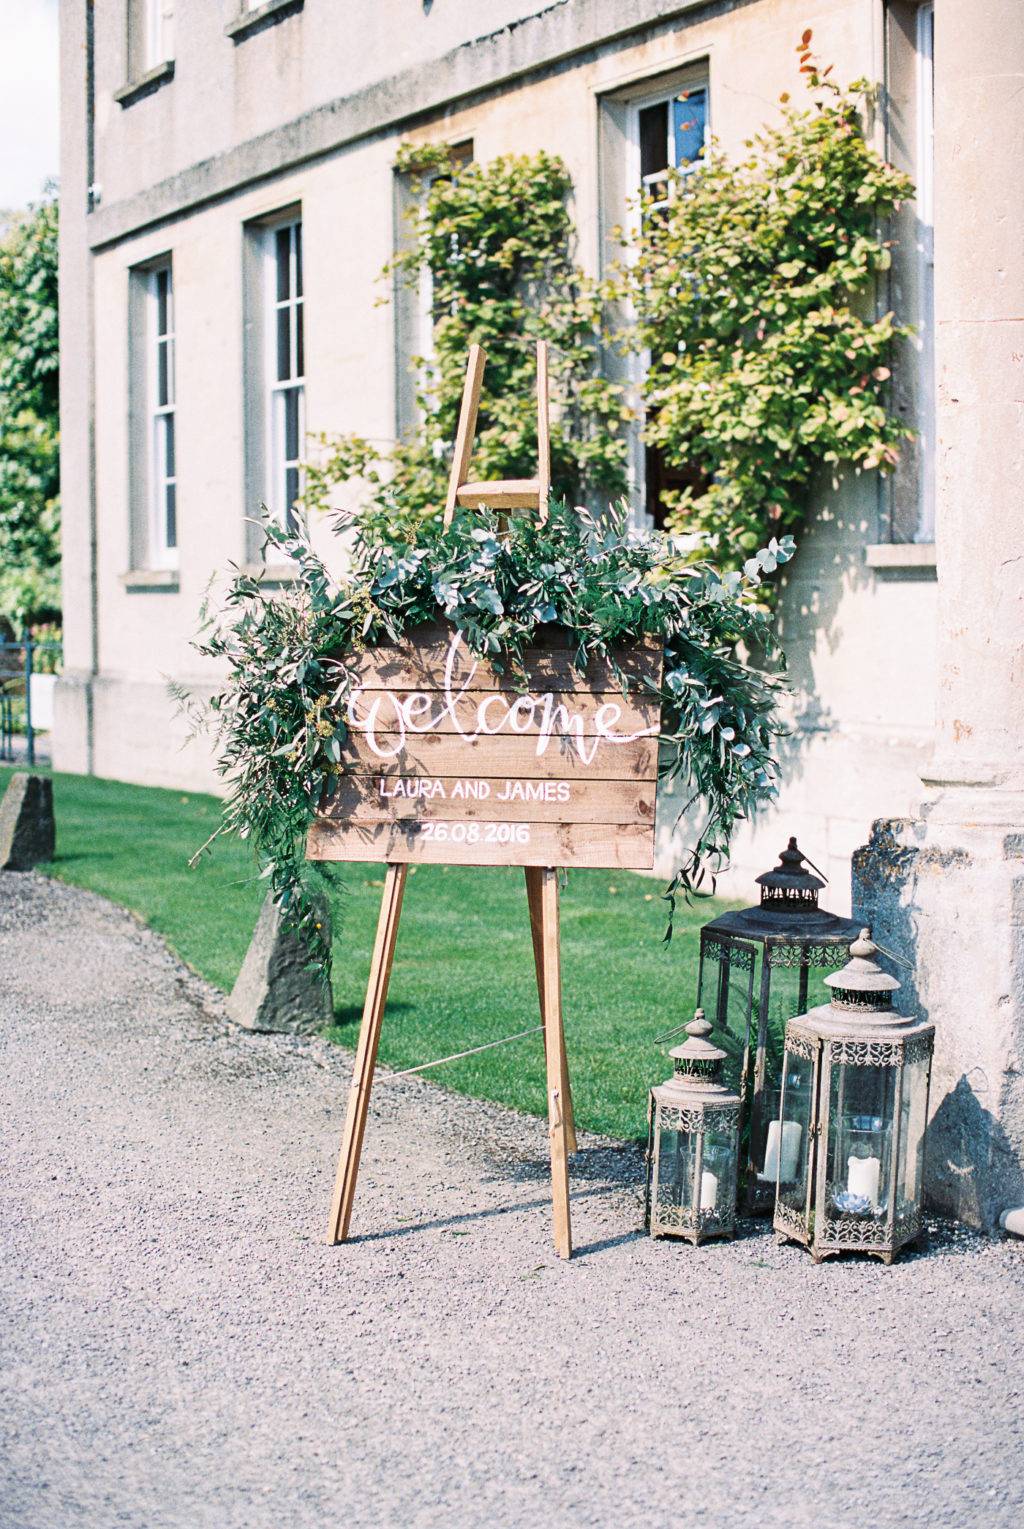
{"x":541,"y":883}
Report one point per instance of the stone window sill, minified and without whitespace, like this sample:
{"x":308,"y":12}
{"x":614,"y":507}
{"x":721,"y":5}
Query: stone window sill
{"x":915,"y":558}
{"x":143,"y":580}
{"x":267,"y":15}
{"x":272,"y":573}
{"x":146,"y":84}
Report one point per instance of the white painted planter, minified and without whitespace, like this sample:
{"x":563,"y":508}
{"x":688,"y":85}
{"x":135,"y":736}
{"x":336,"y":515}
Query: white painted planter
{"x":42,"y":688}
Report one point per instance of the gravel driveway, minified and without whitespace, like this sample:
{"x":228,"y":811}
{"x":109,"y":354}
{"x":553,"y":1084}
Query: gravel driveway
{"x":178,"y":1347}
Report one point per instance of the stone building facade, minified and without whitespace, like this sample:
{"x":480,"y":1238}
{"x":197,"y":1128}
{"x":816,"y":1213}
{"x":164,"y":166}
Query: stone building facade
{"x":228,"y":191}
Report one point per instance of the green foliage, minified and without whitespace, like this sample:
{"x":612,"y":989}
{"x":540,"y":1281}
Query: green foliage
{"x":281,"y":714}
{"x":497,"y":241}
{"x":750,"y":289}
{"x":29,"y":423}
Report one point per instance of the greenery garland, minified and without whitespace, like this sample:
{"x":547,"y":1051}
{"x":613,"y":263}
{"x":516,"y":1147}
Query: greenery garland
{"x":281,"y":713}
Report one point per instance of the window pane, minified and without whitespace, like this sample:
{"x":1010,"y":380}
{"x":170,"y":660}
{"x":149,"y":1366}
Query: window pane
{"x":300,"y":352}
{"x":291,"y":493}
{"x":689,"y":120}
{"x":162,"y":282}
{"x":291,"y":426}
{"x":171,"y":513}
{"x":284,"y":346}
{"x":162,"y":389}
{"x":298,"y":259}
{"x":168,"y":423}
{"x":653,"y":139}
{"x":282,"y":253}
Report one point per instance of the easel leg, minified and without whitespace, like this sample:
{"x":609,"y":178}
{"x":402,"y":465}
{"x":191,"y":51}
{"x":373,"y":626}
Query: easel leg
{"x":366,"y":1053}
{"x":554,"y":1049}
{"x":534,"y":882}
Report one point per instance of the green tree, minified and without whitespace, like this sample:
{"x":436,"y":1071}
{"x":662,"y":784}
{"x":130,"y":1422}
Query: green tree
{"x":753,"y":289}
{"x":29,"y":429}
{"x":497,"y":240}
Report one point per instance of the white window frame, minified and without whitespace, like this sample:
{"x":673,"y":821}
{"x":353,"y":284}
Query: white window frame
{"x":637,"y":366}
{"x":414,"y":295}
{"x":283,"y":393}
{"x":640,"y":104}
{"x":926,"y":423}
{"x":159,"y":32}
{"x":162,"y":495}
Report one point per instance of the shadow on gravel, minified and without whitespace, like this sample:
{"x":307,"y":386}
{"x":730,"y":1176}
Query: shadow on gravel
{"x":443,"y":1223}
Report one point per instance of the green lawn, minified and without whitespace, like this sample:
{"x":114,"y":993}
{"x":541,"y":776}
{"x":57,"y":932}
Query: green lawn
{"x":463,"y":969}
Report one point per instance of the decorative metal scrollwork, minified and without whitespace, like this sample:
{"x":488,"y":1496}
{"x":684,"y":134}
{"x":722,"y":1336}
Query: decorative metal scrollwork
{"x":866,"y":1053}
{"x":866,"y":1231}
{"x":670,"y":1119}
{"x":791,"y":1219}
{"x":801,"y":1046}
{"x":728,"y":955}
{"x":833,"y":956}
{"x":689,"y":1220}
{"x":919,"y":1049}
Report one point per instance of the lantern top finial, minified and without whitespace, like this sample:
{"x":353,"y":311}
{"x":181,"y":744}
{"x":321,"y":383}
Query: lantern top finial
{"x":862,"y":984}
{"x":790,"y":886}
{"x":697,"y":1056}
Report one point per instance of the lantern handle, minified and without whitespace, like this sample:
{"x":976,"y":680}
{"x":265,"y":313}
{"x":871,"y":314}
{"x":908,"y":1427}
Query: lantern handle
{"x":900,"y":960}
{"x":821,"y":873}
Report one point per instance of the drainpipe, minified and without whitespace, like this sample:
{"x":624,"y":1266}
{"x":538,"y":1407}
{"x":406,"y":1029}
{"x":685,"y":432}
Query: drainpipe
{"x":1013,"y":1221}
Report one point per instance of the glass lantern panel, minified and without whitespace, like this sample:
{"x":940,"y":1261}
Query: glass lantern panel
{"x":677,"y":1162}
{"x":725,"y":996}
{"x":718,"y":1164}
{"x":768,"y":1135}
{"x":913,"y":1119}
{"x":793,"y":989}
{"x":787,"y":1157}
{"x":862,"y":1104}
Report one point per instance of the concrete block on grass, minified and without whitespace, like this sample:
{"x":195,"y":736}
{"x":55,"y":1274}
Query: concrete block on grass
{"x":28,"y":833}
{"x":276,"y":987}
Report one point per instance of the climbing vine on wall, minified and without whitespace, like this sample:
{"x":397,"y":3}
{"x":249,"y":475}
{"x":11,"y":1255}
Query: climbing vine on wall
{"x":753,"y":289}
{"x":496,"y":243}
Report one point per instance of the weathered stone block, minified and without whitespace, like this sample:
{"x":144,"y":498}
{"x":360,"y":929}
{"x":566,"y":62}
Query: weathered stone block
{"x":276,"y":987}
{"x":28,"y":834}
{"x":946,"y":893}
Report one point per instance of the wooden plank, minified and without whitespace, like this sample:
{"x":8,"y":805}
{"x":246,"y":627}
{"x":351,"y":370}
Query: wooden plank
{"x":554,"y":1050}
{"x":565,"y":713}
{"x":366,"y":1053}
{"x":514,"y":758}
{"x":626,"y":847}
{"x":503,"y":494}
{"x":466,"y":428}
{"x":543,"y":440}
{"x":421,"y":661}
{"x":406,"y":796}
{"x":534,"y":899}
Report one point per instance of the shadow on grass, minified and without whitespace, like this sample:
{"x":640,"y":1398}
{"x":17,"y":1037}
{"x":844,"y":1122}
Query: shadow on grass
{"x":349,"y":1015}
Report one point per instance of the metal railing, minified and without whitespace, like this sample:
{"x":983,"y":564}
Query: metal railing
{"x":20,"y":662}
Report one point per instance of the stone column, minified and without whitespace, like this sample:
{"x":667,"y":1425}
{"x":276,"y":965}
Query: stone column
{"x":946,"y":888}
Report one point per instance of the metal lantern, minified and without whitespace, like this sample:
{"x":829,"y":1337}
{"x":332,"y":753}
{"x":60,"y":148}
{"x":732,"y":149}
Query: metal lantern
{"x":849,"y":1144}
{"x":693,"y":1144}
{"x":754,"y":972}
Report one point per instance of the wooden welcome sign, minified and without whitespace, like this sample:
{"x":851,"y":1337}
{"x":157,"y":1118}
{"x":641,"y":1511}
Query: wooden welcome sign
{"x":449,"y":760}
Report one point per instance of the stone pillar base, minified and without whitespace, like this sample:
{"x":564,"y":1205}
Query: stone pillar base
{"x":945,"y":892}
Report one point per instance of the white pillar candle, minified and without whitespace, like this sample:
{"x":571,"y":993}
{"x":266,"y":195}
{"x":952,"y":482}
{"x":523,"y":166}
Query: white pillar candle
{"x":863,"y":1178}
{"x":790,"y":1150}
{"x":784,"y":1140}
{"x":770,"y":1171}
{"x":708,"y":1191}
